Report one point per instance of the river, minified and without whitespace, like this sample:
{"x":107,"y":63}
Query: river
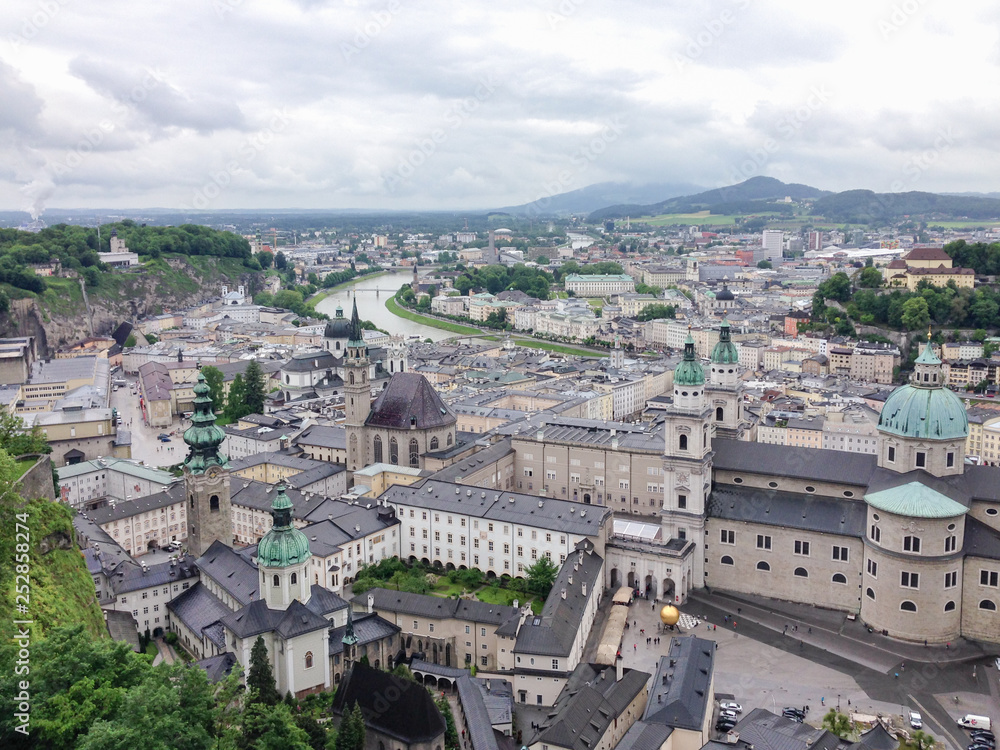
{"x":371,"y":306}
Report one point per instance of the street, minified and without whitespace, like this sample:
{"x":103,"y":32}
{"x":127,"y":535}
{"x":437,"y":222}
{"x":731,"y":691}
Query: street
{"x":146,"y":447}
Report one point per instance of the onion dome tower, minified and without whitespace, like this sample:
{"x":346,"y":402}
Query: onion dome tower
{"x":283,"y":557}
{"x":206,"y":476}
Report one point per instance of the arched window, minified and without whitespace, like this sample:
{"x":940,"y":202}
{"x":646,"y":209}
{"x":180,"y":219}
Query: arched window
{"x":988,"y":604}
{"x":448,"y":441}
{"x":295,"y":578}
{"x":683,"y":443}
{"x":414,"y":453}
{"x":378,"y":449}
{"x":802,"y":572}
{"x":213,"y":503}
{"x":839,"y":578}
{"x":911,"y":544}
{"x":949,"y":607}
{"x":309,"y":659}
{"x":908,"y":606}
{"x":870,"y":593}
{"x":351,"y":378}
{"x":393,"y":451}
{"x":434,"y":443}
{"x":718,"y":414}
{"x":276,"y":581}
{"x":727,"y":560}
{"x":763,"y":566}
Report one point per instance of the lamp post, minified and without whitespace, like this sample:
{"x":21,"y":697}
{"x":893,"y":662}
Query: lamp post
{"x":838,"y":703}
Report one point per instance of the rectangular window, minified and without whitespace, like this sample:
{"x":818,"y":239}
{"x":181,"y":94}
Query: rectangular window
{"x":682,"y":501}
{"x":891,"y":454}
{"x":763,"y":541}
{"x":909,"y":580}
{"x":555,"y":664}
{"x":921,"y":459}
{"x":988,"y":578}
{"x":484,"y":660}
{"x":840,"y":553}
{"x":951,"y":579}
{"x":801,"y":548}
{"x":467,"y":630}
{"x":727,"y":536}
{"x":482,"y":632}
{"x":950,"y":461}
{"x":872,"y":568}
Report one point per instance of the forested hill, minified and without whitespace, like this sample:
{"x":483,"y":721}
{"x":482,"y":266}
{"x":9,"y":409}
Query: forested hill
{"x":865,"y":206}
{"x":179,"y":266}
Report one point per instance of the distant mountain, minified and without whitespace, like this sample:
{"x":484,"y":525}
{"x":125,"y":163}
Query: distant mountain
{"x":975,"y":195}
{"x":601,"y":194}
{"x":757,"y":194}
{"x":865,"y":206}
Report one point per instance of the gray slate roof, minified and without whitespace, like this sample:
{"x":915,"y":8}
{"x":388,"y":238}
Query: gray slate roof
{"x":118,"y":511}
{"x":218,"y":667}
{"x":367,"y":627}
{"x":643,"y":736}
{"x":680,"y":694}
{"x":483,"y":708}
{"x":553,"y":631}
{"x":133,"y":578}
{"x":436,"y":607}
{"x":814,"y":464}
{"x":198,"y":608}
{"x":589,"y":702}
{"x":323,"y":436}
{"x":981,"y":540}
{"x":506,"y":507}
{"x":236,"y":575}
{"x":788,"y":509}
{"x":766,"y":731}
{"x":409,"y":397}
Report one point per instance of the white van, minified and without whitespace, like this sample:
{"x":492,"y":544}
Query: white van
{"x":971,"y":721}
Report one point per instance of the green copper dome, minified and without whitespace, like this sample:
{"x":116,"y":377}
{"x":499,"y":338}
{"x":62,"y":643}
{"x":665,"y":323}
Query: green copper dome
{"x":283,"y":545}
{"x":925,"y":408}
{"x":725,"y":352}
{"x":689,"y":371}
{"x":204,"y":436}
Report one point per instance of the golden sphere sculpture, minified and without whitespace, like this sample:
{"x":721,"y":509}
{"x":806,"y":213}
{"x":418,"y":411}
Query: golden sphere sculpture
{"x":669,"y":615}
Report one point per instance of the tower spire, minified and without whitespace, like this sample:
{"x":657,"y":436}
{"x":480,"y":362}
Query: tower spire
{"x":203,"y":437}
{"x":356,"y":334}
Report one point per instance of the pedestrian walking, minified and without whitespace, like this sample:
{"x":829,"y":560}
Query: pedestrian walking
{"x":902,"y":667}
{"x":635,"y":647}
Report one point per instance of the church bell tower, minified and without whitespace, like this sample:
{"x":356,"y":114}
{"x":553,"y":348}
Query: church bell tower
{"x":206,"y":477}
{"x":357,"y":395}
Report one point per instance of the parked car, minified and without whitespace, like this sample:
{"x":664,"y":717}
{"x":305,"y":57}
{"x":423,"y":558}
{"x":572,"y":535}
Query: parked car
{"x":793,"y":710}
{"x":916,"y":720}
{"x":726,"y":713}
{"x":725,"y":726}
{"x":978,"y":746}
{"x":982,"y":734}
{"x":731,"y":706}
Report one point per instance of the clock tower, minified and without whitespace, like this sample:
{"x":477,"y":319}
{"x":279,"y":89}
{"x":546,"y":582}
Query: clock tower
{"x":357,"y":395}
{"x":206,"y":477}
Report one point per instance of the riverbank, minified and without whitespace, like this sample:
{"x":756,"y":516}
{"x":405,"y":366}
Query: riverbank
{"x":396,"y":309}
{"x":322,"y":294}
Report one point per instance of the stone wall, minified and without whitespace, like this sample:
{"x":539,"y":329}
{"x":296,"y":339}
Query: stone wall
{"x":37,"y":481}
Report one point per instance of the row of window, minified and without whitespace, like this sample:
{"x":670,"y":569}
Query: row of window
{"x":799,"y":547}
{"x":913,"y":543}
{"x":907,"y":606}
{"x":920,"y":459}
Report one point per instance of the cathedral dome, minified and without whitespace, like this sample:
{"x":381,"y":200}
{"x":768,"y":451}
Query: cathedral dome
{"x":283,"y":545}
{"x":925,"y":408}
{"x":724,"y":295}
{"x":339,"y":327}
{"x":689,"y":371}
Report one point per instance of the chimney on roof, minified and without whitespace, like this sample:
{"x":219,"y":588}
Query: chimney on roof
{"x":371,"y":603}
{"x":515,"y":604}
{"x":571,"y":580}
{"x":563,"y":593}
{"x":584,"y":588}
{"x":619,"y":668}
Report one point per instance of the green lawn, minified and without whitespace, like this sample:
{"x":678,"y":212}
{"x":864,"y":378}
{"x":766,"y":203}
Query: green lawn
{"x":444,"y":325}
{"x":24,"y":464}
{"x":506,"y":598}
{"x":446,"y":588}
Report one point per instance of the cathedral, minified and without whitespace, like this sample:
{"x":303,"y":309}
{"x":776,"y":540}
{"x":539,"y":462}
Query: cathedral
{"x":318,"y":374}
{"x":909,"y":539}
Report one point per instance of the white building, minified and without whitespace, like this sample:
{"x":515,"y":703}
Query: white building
{"x":599,"y":285}
{"x":114,"y":479}
{"x":773,"y":242}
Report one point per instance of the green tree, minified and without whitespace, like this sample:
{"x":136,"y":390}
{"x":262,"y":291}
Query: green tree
{"x":260,"y":678}
{"x":922,"y":740}
{"x":656,"y":312}
{"x":280,"y":262}
{"x":916,"y":316}
{"x":16,"y":439}
{"x":265,"y":258}
{"x":542,"y":260}
{"x":837,"y":723}
{"x":351,"y":732}
{"x":253,"y":379}
{"x":541,"y":576}
{"x":765,"y":264}
{"x":450,"y":731}
{"x":870,"y":278}
{"x":130,"y":341}
{"x":236,"y":403}
{"x":980,"y":335}
{"x":216,"y":388}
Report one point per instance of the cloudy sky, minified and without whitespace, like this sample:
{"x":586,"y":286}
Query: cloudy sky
{"x":466,"y":104}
